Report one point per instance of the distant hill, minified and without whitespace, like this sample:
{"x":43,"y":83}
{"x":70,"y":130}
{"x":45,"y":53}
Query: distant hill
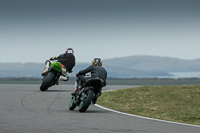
{"x":124,"y":67}
{"x":155,"y":63}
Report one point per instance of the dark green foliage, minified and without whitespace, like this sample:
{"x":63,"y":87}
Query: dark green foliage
{"x":112,"y":81}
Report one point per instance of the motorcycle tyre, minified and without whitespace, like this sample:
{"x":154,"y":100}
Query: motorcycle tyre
{"x":46,"y":81}
{"x":86,"y":103}
{"x":72,"y":104}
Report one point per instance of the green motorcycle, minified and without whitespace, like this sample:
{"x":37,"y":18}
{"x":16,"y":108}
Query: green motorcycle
{"x":52,"y":76}
{"x":91,"y":90}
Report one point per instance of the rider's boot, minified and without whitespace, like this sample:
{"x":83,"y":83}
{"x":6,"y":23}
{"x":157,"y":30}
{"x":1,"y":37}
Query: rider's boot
{"x":95,"y":97}
{"x":47,"y":63}
{"x":77,"y":87}
{"x":76,"y":91}
{"x":63,"y":78}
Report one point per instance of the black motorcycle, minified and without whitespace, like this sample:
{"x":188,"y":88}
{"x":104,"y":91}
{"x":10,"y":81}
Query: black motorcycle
{"x":52,"y":76}
{"x":88,"y":94}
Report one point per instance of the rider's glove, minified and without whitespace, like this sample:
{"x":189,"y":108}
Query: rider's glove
{"x":52,"y":58}
{"x":70,"y":71}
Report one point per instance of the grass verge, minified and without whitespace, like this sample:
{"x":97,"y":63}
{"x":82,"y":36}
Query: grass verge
{"x":172,"y":103}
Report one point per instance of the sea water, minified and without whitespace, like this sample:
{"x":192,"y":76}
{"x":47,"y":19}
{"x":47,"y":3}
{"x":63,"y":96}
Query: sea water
{"x":176,"y":75}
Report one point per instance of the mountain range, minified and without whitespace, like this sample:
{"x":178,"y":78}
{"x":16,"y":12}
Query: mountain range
{"x":123,"y":67}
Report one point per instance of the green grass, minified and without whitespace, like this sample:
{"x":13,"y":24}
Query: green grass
{"x":173,"y":103}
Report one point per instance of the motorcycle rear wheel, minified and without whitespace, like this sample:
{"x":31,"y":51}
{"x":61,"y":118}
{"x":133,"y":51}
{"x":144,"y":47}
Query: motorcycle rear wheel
{"x":72,"y":104}
{"x":46,"y":81}
{"x":84,"y":104}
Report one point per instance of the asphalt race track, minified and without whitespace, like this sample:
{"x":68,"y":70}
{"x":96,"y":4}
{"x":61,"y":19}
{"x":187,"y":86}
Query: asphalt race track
{"x":25,"y":109}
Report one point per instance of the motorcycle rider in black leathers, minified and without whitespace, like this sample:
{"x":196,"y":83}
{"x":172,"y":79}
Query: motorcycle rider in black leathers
{"x":67,"y":60}
{"x":96,"y":70}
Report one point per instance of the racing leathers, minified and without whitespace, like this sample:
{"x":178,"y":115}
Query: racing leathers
{"x":95,"y":71}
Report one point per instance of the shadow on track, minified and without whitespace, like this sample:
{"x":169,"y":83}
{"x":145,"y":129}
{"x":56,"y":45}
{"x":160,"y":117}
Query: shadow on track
{"x":57,"y":91}
{"x":87,"y":111}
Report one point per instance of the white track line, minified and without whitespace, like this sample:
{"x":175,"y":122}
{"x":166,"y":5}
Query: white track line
{"x":143,"y":116}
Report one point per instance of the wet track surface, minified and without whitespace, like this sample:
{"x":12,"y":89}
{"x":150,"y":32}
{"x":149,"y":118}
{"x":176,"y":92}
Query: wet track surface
{"x":24,"y":108}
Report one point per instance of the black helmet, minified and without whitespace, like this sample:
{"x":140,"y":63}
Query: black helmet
{"x":97,"y":61}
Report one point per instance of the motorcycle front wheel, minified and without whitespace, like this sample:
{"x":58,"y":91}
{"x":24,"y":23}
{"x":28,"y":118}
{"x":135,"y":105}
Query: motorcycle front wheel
{"x":72,"y":104}
{"x":47,"y":81}
{"x":85,"y":103}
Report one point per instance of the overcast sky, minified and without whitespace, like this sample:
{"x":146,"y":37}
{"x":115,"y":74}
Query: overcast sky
{"x":33,"y":31}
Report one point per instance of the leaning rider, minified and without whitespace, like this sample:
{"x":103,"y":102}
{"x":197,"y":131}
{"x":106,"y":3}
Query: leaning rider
{"x":96,"y":70}
{"x":67,"y":60}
